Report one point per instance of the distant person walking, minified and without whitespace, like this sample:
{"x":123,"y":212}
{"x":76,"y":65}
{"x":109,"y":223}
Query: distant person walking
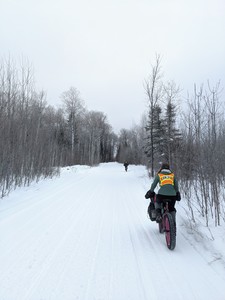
{"x":126,"y":164}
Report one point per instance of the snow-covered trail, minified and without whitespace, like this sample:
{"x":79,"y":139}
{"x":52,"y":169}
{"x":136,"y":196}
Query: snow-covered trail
{"x":86,"y":235}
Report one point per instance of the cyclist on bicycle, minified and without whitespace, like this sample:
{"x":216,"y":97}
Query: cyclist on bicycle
{"x":168,"y":190}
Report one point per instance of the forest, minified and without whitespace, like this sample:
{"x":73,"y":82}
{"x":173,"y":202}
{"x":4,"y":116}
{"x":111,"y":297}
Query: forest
{"x":38,"y":139}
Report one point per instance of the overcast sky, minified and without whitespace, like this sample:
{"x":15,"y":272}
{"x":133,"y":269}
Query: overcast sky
{"x":105,"y":48}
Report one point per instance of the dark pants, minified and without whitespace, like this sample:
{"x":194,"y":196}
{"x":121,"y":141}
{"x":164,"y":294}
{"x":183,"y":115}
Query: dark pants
{"x":171,"y":202}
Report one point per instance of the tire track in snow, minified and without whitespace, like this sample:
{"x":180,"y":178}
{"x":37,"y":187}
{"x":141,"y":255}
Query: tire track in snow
{"x":131,"y":228}
{"x":112,"y":271}
{"x":152,"y":288}
{"x":26,"y":260}
{"x":161,"y":268}
{"x":76,"y":248}
{"x":94,"y":261}
{"x":62,"y":290}
{"x":36,"y":242}
{"x":100,"y":278}
{"x":179,"y":274}
{"x":51,"y":261}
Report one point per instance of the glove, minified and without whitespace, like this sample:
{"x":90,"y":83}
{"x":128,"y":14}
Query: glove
{"x":178,"y":196}
{"x":149,"y":194}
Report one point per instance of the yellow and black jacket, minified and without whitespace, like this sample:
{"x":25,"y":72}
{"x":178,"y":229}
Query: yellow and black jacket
{"x":167,"y":182}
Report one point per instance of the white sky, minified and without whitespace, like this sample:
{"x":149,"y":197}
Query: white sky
{"x":105,"y":48}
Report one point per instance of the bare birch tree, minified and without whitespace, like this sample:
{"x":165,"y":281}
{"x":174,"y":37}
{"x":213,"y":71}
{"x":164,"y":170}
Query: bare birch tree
{"x":154,"y":90}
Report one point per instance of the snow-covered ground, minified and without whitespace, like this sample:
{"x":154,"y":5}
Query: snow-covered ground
{"x":85,"y":235}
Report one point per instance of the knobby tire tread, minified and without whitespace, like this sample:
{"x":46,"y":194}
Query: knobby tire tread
{"x":172,"y":232}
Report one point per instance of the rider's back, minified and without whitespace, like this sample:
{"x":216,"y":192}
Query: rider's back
{"x":167,"y":183}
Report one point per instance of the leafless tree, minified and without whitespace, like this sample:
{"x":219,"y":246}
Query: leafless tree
{"x":74,"y":108}
{"x":154,"y":90}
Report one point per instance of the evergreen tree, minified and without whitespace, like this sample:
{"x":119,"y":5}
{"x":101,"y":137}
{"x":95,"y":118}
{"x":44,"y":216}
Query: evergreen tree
{"x":172,"y":135}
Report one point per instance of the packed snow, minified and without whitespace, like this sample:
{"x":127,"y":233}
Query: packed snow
{"x":85,"y":235}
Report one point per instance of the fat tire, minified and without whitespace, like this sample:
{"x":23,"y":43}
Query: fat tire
{"x":170,"y":233}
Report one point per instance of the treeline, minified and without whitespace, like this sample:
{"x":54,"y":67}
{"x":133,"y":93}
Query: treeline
{"x":131,"y":144}
{"x":203,"y":153}
{"x":37,"y":139}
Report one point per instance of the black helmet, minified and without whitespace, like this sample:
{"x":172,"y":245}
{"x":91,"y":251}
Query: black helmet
{"x":165,"y":166}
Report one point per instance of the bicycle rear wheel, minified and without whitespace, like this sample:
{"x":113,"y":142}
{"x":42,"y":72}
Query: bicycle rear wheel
{"x":170,"y":231}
